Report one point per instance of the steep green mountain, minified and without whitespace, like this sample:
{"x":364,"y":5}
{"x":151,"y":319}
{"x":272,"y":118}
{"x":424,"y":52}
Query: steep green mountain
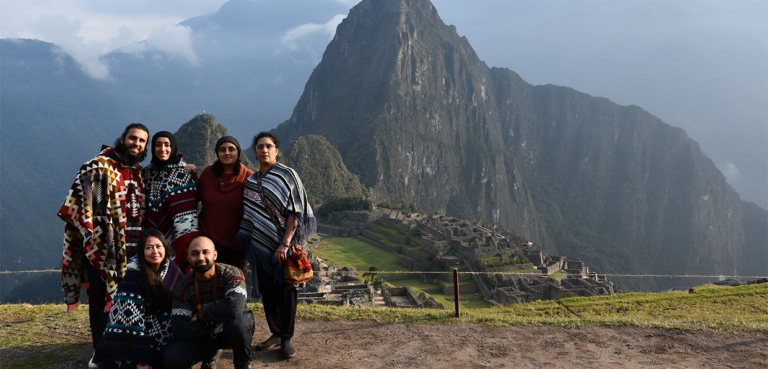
{"x":321,"y":169}
{"x":418,"y":116}
{"x":197,"y":141}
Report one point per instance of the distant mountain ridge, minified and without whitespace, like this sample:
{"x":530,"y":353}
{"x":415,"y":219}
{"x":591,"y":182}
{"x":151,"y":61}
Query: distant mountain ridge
{"x":54,"y":118}
{"x":415,"y":112}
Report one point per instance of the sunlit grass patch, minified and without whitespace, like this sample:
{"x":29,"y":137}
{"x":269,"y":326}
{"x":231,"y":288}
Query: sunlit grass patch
{"x":361,"y":255}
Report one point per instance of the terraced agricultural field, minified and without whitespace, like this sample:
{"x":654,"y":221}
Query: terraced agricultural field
{"x":348,"y":251}
{"x":356,"y":253}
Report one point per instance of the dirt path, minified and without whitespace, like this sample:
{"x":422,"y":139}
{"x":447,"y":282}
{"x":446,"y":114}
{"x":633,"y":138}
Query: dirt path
{"x":353,"y":344}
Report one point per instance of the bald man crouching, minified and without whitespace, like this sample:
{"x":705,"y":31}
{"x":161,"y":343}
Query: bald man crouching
{"x":209,"y":312}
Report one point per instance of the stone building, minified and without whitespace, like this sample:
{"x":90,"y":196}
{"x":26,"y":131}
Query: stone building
{"x":472,"y":244}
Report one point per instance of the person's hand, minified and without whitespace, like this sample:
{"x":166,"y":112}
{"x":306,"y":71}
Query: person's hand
{"x":194,"y":317}
{"x":281,"y":254}
{"x":191,"y":168}
{"x":139,"y":366}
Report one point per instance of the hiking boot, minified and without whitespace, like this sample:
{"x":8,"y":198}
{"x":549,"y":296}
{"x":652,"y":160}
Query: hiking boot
{"x":211,"y":362}
{"x":271,"y":342}
{"x":286,"y":349}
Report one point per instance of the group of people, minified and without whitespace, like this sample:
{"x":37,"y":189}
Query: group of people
{"x":162,"y":251}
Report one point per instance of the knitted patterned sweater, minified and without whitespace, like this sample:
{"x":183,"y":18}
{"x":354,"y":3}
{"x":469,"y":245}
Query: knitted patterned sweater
{"x":172,"y":206}
{"x":221,"y":299}
{"x":136,"y":332}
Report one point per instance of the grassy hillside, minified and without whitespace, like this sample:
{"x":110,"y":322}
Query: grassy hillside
{"x":43,"y":336}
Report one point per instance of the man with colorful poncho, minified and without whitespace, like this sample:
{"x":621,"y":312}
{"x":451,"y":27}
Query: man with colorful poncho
{"x":103,"y":212}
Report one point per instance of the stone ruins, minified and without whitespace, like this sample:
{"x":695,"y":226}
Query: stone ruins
{"x":519,"y":271}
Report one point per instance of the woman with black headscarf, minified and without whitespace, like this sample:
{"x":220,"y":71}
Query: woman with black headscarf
{"x":220,"y":190}
{"x":171,"y":196}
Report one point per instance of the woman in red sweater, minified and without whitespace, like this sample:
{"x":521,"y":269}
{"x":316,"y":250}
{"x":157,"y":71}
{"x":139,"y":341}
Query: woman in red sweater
{"x":220,"y":190}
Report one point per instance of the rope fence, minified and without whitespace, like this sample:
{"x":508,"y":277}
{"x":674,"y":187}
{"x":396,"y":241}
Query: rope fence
{"x":481,"y":273}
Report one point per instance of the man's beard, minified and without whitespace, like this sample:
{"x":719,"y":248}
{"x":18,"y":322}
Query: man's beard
{"x":203,"y":268}
{"x":125,"y":155}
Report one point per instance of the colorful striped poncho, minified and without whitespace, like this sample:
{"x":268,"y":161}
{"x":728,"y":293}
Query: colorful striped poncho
{"x":283,"y":188}
{"x":103,"y":212}
{"x":172,"y":206}
{"x":136,"y":334}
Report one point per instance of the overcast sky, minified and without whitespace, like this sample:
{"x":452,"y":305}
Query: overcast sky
{"x":87,"y":29}
{"x":595,"y":46}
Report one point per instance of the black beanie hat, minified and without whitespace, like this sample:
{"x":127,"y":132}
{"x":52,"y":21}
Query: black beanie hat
{"x":231,"y":140}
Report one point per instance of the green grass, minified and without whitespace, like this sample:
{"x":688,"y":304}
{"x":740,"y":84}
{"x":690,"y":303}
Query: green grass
{"x":449,"y":304}
{"x":532,"y":270}
{"x":414,"y":283}
{"x":460,"y":267}
{"x":358,"y":254}
{"x":417,"y":250}
{"x":386,"y":229}
{"x":461,"y":283}
{"x":385,"y":239}
{"x":489,"y":258}
{"x":556,"y":274}
{"x":43,"y":336}
{"x":36,"y":336}
{"x":389,"y":230}
{"x":710,"y":308}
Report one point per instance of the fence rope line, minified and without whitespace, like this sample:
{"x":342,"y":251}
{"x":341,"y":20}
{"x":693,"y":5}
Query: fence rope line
{"x":29,"y":271}
{"x":481,"y":273}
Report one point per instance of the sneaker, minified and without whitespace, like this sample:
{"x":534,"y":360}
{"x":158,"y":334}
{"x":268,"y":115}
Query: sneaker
{"x":211,"y":362}
{"x":271,"y":342}
{"x":286,"y":349}
{"x":91,"y":363}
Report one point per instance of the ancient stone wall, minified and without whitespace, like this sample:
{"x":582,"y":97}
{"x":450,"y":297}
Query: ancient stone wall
{"x":414,"y":254}
{"x":549,"y":269}
{"x":463,"y":288}
{"x":332,"y":231}
{"x":400,"y":239}
{"x":506,"y":268}
{"x":429,"y":302}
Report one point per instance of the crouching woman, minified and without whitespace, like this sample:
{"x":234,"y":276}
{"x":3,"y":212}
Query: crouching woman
{"x":140,"y":318}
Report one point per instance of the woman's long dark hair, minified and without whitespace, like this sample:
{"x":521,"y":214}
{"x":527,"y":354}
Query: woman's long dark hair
{"x":218,"y":168}
{"x":151,"y":279}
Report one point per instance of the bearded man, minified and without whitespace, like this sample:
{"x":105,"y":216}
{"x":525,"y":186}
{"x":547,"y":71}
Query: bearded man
{"x":103,"y":212}
{"x":209,"y":313}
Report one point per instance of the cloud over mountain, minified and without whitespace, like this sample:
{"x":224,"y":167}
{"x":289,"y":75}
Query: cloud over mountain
{"x":294,"y":35}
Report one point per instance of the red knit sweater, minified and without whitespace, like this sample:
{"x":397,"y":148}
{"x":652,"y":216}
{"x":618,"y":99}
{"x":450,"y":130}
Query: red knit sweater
{"x":222,"y":210}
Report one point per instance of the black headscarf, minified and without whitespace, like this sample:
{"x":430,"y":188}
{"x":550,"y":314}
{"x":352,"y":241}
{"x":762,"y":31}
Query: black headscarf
{"x":174,"y":158}
{"x":218,"y":168}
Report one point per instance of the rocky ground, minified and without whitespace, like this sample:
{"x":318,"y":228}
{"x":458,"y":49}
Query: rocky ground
{"x":366,"y":344}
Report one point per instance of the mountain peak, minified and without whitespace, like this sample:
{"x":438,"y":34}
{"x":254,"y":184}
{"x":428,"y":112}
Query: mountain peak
{"x":419,"y":117}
